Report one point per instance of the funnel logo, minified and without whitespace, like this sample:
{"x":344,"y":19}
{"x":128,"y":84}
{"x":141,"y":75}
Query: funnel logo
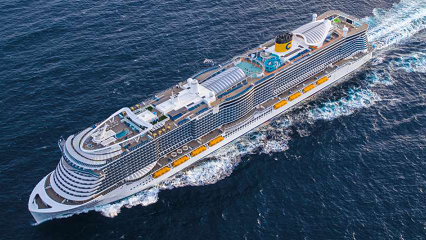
{"x":288,"y":45}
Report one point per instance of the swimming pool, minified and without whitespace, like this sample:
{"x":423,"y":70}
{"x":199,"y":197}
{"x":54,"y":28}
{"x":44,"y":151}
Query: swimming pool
{"x":248,"y":68}
{"x":121,"y":134}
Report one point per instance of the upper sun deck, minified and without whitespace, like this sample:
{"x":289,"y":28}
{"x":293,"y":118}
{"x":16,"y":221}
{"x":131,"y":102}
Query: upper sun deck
{"x":120,"y":131}
{"x":206,"y":90}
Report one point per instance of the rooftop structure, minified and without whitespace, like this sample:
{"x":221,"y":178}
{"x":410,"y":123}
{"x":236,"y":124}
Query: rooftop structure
{"x":193,"y":93}
{"x":224,"y":80}
{"x":314,"y":33}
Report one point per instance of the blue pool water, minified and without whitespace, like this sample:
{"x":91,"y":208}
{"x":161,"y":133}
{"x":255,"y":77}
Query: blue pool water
{"x":248,"y":68}
{"x":121,"y":134}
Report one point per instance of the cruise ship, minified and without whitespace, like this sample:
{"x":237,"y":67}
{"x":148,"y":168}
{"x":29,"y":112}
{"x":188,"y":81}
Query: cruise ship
{"x":138,"y":147}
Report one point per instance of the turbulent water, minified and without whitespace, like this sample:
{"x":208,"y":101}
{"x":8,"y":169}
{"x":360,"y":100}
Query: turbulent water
{"x":345,"y":165}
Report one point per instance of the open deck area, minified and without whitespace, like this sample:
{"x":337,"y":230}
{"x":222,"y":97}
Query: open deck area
{"x":117,"y":130}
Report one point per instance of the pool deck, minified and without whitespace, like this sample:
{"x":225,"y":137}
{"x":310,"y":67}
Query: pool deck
{"x":249,"y":68}
{"x":115,"y":125}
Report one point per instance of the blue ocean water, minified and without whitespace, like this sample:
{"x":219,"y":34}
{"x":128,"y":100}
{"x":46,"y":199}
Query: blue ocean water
{"x":347,"y":165}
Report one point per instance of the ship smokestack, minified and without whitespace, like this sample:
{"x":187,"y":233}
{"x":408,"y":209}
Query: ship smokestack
{"x":283,"y":42}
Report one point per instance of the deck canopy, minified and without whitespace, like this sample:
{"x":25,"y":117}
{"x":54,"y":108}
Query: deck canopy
{"x":224,"y":80}
{"x":314,"y":33}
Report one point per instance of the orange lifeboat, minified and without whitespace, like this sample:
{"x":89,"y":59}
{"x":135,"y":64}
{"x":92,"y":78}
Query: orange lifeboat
{"x":322,"y":80}
{"x":160,"y":172}
{"x":280,"y":104}
{"x":180,"y":161}
{"x":198,"y":151}
{"x":216,"y":141}
{"x":308,"y":88}
{"x":294,"y":96}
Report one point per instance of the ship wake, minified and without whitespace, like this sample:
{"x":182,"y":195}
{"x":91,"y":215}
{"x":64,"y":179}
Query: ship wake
{"x":415,"y":62}
{"x":356,"y":99}
{"x":403,"y":20}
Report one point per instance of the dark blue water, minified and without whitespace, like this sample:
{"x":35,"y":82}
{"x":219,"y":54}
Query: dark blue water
{"x":350,"y":164}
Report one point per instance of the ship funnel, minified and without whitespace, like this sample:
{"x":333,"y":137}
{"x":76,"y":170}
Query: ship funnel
{"x":314,"y":17}
{"x":283,"y":42}
{"x":345,"y":31}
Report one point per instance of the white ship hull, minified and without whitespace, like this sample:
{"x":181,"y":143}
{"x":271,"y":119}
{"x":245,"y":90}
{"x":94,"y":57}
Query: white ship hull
{"x":60,"y":210}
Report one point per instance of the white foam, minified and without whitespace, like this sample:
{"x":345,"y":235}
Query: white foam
{"x":356,"y":99}
{"x":399,"y":23}
{"x":143,"y":198}
{"x":379,"y":77}
{"x":415,"y":62}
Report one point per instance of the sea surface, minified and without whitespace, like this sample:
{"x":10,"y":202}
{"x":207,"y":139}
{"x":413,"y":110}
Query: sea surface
{"x":348,"y":164}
